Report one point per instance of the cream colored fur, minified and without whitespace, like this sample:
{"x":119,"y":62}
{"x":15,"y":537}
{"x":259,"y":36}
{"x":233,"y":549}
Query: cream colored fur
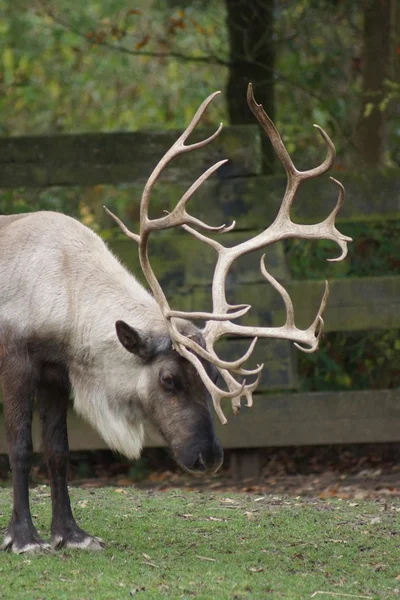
{"x":60,"y":283}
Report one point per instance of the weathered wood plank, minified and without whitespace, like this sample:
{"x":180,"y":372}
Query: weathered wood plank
{"x":252,"y":201}
{"x":317,"y":418}
{"x":354,"y":304}
{"x":282,"y":420}
{"x":90,"y":159}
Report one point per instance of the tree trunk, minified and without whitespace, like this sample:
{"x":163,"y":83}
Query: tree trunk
{"x":394,"y":75}
{"x":252,"y":58}
{"x":370,"y":131}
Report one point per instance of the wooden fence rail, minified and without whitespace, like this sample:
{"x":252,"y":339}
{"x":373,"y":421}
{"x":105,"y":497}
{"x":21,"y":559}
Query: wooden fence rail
{"x":239,"y":191}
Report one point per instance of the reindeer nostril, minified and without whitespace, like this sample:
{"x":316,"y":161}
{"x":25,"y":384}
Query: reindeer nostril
{"x":199,"y":464}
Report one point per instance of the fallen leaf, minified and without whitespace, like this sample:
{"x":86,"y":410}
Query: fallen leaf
{"x":256,"y":569}
{"x":250,"y":516}
{"x":142,"y":42}
{"x":124,"y":482}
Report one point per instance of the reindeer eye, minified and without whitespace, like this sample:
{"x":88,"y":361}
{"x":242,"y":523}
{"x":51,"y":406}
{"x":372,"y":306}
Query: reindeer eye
{"x":166,"y":379}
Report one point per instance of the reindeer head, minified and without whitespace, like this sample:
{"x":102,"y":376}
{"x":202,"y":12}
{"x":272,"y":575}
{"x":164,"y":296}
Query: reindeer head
{"x":172,"y":395}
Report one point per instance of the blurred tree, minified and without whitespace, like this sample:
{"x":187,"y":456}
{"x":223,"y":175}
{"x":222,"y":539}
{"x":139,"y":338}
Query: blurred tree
{"x":251,"y":58}
{"x":393,"y":88}
{"x":370,"y":134}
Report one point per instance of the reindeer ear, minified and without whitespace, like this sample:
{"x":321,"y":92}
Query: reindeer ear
{"x":132,"y":340}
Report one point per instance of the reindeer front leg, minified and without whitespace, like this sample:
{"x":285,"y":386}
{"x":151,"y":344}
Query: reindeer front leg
{"x":53,"y":395}
{"x":18,"y":387}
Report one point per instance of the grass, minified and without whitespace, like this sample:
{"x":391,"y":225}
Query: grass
{"x":211,"y":546}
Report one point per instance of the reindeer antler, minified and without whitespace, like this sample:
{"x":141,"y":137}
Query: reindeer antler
{"x":219,"y":322}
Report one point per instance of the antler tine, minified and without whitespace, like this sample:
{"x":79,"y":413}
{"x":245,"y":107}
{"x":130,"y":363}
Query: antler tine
{"x":246,"y":390}
{"x":249,"y":389}
{"x":271,"y":131}
{"x":288,"y":331}
{"x":124,"y":228}
{"x":327,"y":163}
{"x":216,"y":393}
{"x":176,"y":149}
{"x":184,"y":341}
{"x":317,"y":327}
{"x":248,"y":372}
{"x":179,"y":216}
{"x":216,"y":245}
{"x":285,"y":296}
{"x":279,"y":147}
{"x":196,"y":120}
{"x":207,"y":316}
{"x":187,"y":347}
{"x":341,"y":239}
{"x":189,"y":193}
{"x":318,"y":321}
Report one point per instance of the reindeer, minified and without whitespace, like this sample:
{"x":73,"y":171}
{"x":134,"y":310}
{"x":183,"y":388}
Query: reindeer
{"x":72,"y":318}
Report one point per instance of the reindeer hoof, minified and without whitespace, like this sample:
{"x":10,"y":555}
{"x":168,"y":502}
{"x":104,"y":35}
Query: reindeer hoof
{"x":79,"y":540}
{"x":24,"y":546}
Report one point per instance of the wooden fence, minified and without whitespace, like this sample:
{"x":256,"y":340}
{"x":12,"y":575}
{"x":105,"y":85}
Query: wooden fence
{"x":280,"y":416}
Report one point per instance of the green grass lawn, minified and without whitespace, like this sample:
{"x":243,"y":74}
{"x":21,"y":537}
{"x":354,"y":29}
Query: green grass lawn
{"x":210,"y":545}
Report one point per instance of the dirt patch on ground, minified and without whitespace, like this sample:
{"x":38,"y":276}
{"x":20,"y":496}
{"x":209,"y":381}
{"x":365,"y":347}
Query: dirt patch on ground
{"x":358,"y":471}
{"x":346,"y":472}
